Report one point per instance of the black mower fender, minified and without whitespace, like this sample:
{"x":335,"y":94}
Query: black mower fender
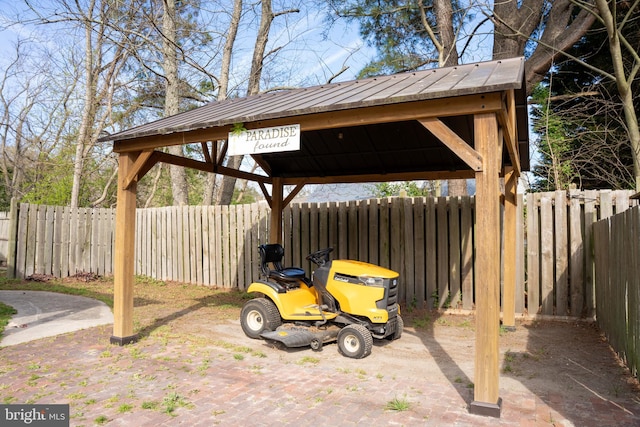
{"x":259,"y":286}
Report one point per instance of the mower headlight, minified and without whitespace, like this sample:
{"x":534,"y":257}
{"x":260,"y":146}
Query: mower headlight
{"x":378,"y":282}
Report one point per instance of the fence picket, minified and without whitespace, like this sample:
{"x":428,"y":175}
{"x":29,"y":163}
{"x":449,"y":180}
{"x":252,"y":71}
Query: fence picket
{"x":561,"y":257}
{"x":419,"y":253}
{"x":466,"y":239}
{"x":454,"y":253}
{"x":443,"y":254}
{"x":533,"y":254}
{"x":520,"y":256}
{"x":431,"y":260}
{"x":576,"y":254}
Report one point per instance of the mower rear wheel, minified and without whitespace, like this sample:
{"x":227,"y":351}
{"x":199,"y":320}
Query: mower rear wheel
{"x":355,"y":341}
{"x":259,"y":315}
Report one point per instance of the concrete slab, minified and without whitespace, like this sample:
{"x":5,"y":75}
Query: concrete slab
{"x":44,"y":314}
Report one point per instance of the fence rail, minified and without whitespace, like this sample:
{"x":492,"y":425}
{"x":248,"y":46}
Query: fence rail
{"x":429,"y":241}
{"x":617,"y":243}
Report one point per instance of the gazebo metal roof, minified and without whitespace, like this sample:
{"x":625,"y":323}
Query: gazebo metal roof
{"x":382,"y":145}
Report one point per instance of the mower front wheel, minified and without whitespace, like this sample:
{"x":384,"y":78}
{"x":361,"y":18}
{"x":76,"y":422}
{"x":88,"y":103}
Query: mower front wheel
{"x":355,"y":341}
{"x":399,"y":328}
{"x":259,"y":315}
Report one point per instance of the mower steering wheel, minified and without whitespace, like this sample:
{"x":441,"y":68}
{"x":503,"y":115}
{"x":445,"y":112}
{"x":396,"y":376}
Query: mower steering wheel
{"x":320,"y":257}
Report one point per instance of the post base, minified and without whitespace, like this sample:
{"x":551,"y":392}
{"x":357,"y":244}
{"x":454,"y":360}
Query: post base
{"x":122,"y":341}
{"x":486,"y":409}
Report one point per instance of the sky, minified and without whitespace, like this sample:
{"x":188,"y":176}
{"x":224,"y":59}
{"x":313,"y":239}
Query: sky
{"x":311,"y":56}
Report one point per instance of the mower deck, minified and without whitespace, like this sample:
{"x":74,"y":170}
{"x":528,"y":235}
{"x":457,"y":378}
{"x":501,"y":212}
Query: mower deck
{"x":292,"y":335}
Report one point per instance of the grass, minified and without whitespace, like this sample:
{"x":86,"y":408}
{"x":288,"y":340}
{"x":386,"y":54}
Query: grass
{"x":6,"y":312}
{"x":509,"y":358}
{"x":172,"y":401}
{"x":102,"y":419}
{"x":397,"y":404}
{"x":125,"y":407}
{"x":422,"y":322}
{"x":308,"y":359}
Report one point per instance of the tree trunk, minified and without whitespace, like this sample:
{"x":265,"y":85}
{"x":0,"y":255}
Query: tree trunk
{"x":87,"y":111}
{"x":623,"y":83}
{"x":448,"y":57}
{"x":448,"y":53}
{"x":517,"y":22}
{"x":210,"y":184}
{"x":229,"y":183}
{"x":179,"y":186}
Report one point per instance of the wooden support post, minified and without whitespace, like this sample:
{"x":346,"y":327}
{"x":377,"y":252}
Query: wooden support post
{"x":509,"y":277}
{"x":277,"y":205}
{"x":123,"y":265}
{"x":486,"y":399}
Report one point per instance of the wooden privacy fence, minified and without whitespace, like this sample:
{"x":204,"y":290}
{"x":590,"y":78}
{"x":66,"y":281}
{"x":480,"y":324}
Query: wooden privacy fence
{"x":429,"y":241}
{"x":559,"y":249}
{"x":617,"y":260}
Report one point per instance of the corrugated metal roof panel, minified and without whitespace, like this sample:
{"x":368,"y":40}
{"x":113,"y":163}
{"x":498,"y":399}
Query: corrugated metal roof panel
{"x":414,"y":86}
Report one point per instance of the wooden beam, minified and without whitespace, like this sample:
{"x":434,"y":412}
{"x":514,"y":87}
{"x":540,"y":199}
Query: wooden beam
{"x":275,"y":231}
{"x":402,"y":176}
{"x":507,"y":120}
{"x":487,"y":372}
{"x":456,"y":144}
{"x":136,"y":173}
{"x":207,"y":167}
{"x":509,"y":248}
{"x":457,"y":106}
{"x":123,"y":265}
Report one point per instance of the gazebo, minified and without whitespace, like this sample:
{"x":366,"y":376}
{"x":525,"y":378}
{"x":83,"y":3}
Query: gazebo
{"x":467,"y":121}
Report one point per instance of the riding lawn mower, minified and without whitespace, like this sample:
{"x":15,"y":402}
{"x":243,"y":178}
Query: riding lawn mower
{"x":347,"y":301}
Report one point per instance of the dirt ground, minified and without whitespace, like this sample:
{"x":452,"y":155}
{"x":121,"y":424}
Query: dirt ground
{"x":561,"y":363}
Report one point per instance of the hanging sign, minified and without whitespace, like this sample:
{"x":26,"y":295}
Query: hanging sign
{"x":265,"y":140}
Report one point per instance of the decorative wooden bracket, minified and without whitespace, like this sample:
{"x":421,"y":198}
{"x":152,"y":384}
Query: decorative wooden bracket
{"x":471,"y":157}
{"x":287,"y":200}
{"x":507,"y":120}
{"x":140,"y":167}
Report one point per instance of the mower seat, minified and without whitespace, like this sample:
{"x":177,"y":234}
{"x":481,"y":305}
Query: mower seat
{"x":273,"y":254}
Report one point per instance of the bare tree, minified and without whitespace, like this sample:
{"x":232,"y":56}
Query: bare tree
{"x":545,"y":28}
{"x":618,"y":47}
{"x":34,"y":113}
{"x":225,"y":71}
{"x":179,"y":186}
{"x":225,"y":195}
{"x":105,"y":53}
